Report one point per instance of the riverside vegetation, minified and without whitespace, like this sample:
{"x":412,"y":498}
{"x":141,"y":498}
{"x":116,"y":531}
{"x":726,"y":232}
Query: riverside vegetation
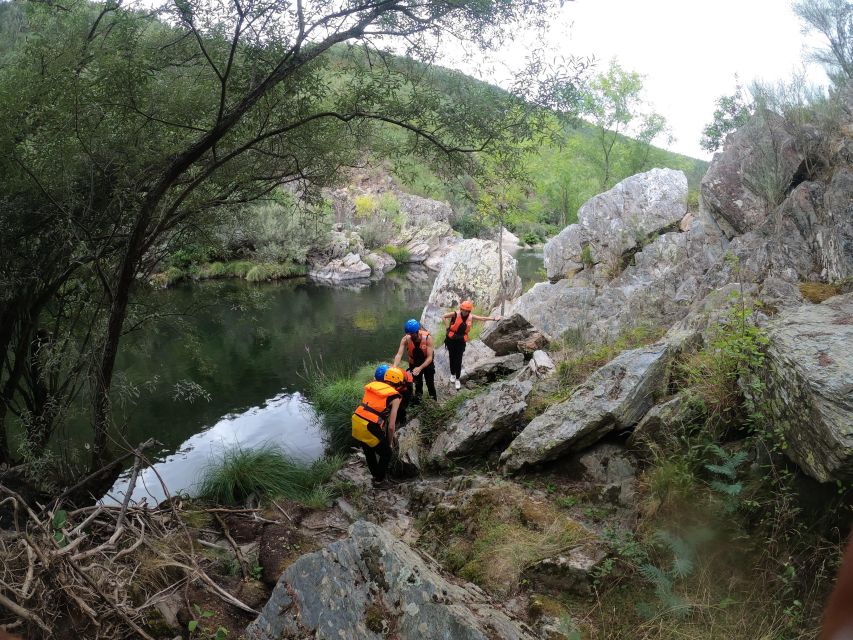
{"x":720,"y":535}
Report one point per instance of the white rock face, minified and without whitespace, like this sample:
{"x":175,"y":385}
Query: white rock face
{"x":470,"y":271}
{"x":350,"y":267}
{"x":617,"y":221}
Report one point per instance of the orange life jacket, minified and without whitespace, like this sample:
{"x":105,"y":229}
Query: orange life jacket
{"x":376,"y":402}
{"x":457,"y":322}
{"x":410,"y":344}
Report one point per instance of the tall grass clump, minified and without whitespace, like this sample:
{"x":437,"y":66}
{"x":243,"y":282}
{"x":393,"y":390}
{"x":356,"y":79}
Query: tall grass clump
{"x":400,"y":254}
{"x":275,"y":271}
{"x":267,"y":472}
{"x":335,"y":394}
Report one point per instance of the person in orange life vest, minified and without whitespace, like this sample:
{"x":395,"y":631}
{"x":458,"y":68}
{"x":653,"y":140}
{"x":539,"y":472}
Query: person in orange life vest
{"x":375,"y":419}
{"x":417,"y":343}
{"x":458,"y":327}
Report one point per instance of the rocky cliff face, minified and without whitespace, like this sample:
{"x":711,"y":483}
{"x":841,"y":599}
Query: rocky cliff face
{"x":637,"y":256}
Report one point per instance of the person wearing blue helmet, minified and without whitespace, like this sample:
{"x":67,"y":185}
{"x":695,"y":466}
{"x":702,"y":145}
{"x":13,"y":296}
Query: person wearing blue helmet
{"x":379,"y":374}
{"x":418,"y":347}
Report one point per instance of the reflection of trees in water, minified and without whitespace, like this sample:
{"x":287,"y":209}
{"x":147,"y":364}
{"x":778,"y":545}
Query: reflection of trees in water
{"x":244,"y":343}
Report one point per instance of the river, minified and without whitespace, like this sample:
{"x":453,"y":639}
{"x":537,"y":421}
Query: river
{"x":225,"y":367}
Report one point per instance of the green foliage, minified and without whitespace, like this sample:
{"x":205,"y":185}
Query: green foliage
{"x":832,"y":20}
{"x":586,"y":256}
{"x":733,"y":352}
{"x":266,"y":272}
{"x":365,"y":206}
{"x":613,"y":102}
{"x":266,"y":471}
{"x":400,"y":254}
{"x":732,"y":112}
{"x":727,"y":485}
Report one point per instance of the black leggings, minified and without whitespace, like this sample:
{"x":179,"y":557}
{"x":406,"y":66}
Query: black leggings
{"x":455,"y":350}
{"x":427,"y":374}
{"x":379,"y":456}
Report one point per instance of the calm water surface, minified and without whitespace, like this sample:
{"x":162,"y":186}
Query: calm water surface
{"x":226,"y":368}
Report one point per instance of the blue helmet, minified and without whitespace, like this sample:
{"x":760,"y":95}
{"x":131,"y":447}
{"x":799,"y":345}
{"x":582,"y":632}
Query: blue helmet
{"x":379,"y":375}
{"x":412,"y":326}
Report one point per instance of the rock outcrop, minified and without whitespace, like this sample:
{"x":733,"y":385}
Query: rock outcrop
{"x":366,"y":585}
{"x":482,"y":422}
{"x":615,"y":397}
{"x":350,"y":267}
{"x":617,"y":221}
{"x":809,"y":386}
{"x":471,"y":271}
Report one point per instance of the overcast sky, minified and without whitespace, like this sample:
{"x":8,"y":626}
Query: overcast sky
{"x":689,"y":51}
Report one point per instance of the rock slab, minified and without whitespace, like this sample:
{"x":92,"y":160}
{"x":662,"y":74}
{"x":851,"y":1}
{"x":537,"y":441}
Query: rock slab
{"x":364,"y":586}
{"x":809,"y":386}
{"x":616,"y":396}
{"x":482,"y":422}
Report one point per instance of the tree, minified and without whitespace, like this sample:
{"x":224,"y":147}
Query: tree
{"x":613,"y":102}
{"x":122,"y":129}
{"x":732,"y":112}
{"x":833,"y":20}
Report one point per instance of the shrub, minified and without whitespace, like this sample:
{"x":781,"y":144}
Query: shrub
{"x":265,"y":272}
{"x":365,"y":206}
{"x":239,"y":269}
{"x":214,"y":270}
{"x":167,"y":278}
{"x":586,"y":256}
{"x":266,"y":472}
{"x":376,"y":233}
{"x":400,"y":254}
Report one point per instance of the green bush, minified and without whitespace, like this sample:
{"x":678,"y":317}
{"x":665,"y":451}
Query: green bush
{"x":214,"y":270}
{"x":266,"y":472}
{"x":365,"y":205}
{"x":265,"y":272}
{"x":400,"y":254}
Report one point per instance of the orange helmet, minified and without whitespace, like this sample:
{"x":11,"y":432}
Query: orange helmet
{"x":394,"y":375}
{"x":467,"y":305}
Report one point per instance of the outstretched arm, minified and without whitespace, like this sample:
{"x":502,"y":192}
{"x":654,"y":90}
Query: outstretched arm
{"x":485,"y":318}
{"x":399,"y":355}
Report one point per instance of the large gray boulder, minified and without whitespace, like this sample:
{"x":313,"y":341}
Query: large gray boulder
{"x":616,"y":396}
{"x":482,"y":422}
{"x":380,"y":262}
{"x":419,"y":211}
{"x":759,"y":153}
{"x":618,"y":221}
{"x":350,"y":267}
{"x":427,"y":242}
{"x":809,"y":386}
{"x":471,"y":271}
{"x":549,"y":309}
{"x":369,"y":585}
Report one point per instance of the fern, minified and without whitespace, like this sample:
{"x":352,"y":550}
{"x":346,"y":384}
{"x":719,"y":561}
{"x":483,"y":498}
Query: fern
{"x":684,"y":554}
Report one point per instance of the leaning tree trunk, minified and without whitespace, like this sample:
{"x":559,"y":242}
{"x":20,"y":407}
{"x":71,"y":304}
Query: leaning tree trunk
{"x":501,"y":257}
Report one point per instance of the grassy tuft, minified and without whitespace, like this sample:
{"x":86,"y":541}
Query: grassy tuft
{"x":267,"y":471}
{"x":400,"y":254}
{"x":500,"y":532}
{"x":271,"y":271}
{"x":168,"y":277}
{"x":817,"y":292}
{"x":239,"y":268}
{"x":434,"y":416}
{"x":576,"y":361}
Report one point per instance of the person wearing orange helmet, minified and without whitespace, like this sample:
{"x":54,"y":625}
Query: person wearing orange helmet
{"x":458,"y":327}
{"x":375,"y":419}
